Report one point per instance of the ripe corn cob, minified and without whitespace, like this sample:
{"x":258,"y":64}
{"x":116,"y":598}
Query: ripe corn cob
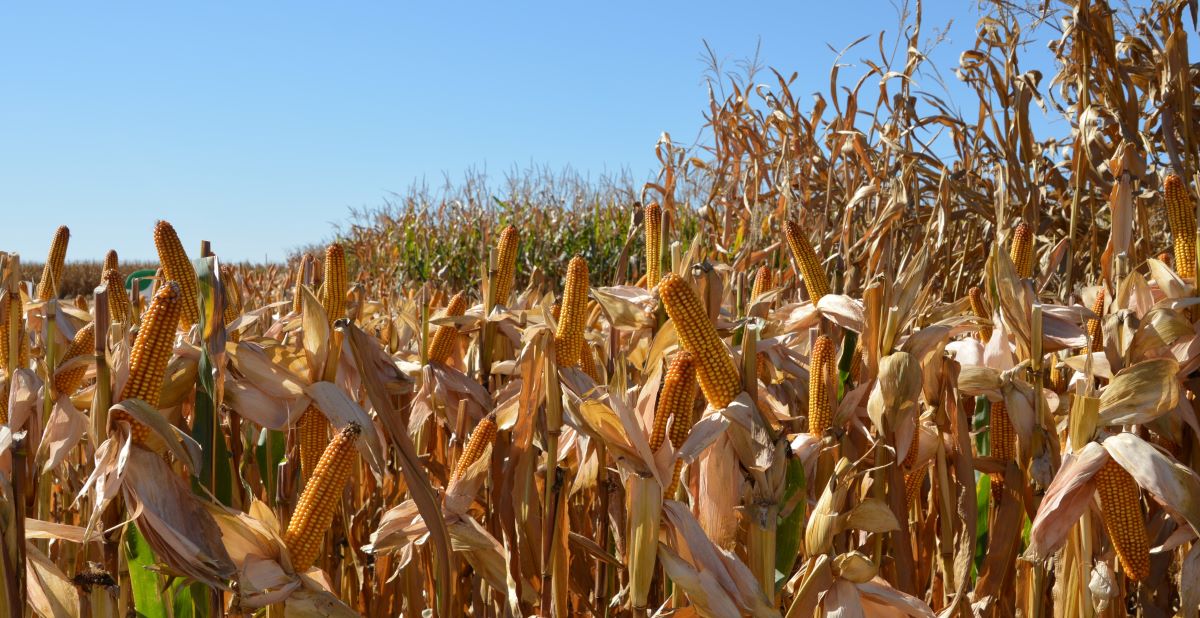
{"x":1021,"y":251}
{"x":587,"y":362}
{"x":653,"y":221}
{"x":484,"y":434}
{"x":233,"y":294}
{"x":506,"y":264}
{"x":1095,"y":332}
{"x":333,"y":290}
{"x":110,"y":260}
{"x":52,"y":272}
{"x":1182,"y":219}
{"x":81,"y":302}
{"x":912,"y":485}
{"x":314,"y":511}
{"x":675,"y":401}
{"x":443,"y":339}
{"x":856,"y":362}
{"x":820,"y":414}
{"x":762,"y":282}
{"x":1121,"y":509}
{"x":1003,"y":439}
{"x":313,"y":428}
{"x":151,"y":353}
{"x":178,"y":268}
{"x":568,"y":339}
{"x":67,"y":382}
{"x":815,"y":280}
{"x":14,"y":318}
{"x":119,"y":307}
{"x":980,"y":311}
{"x":297,"y":296}
{"x":718,"y":377}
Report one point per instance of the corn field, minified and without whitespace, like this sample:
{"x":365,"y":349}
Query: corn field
{"x":812,"y":369}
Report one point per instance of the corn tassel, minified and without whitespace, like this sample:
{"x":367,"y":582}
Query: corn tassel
{"x":178,"y":268}
{"x":506,"y":264}
{"x":443,"y":339}
{"x":1121,"y":509}
{"x":652,"y":218}
{"x":151,"y":352}
{"x":67,"y":382}
{"x":815,"y":279}
{"x":1182,"y":219}
{"x":568,"y":339}
{"x":322,"y":494}
{"x":718,"y":376}
{"x":820,"y":414}
{"x":52,"y":272}
{"x":334,"y":286}
{"x":484,"y":435}
{"x":1021,"y":251}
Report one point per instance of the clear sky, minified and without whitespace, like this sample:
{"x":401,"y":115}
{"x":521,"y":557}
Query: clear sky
{"x":258,"y":124}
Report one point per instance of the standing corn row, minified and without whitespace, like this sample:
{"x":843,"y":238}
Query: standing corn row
{"x":314,"y":511}
{"x":151,"y":353}
{"x":481,"y":438}
{"x":568,"y":339}
{"x":67,"y":382}
{"x":119,"y":307}
{"x":110,"y":260}
{"x":815,"y":280}
{"x":52,"y":272}
{"x":820,"y":414}
{"x":1095,"y":333}
{"x":1182,"y":219}
{"x":979,"y":308}
{"x":762,"y":282}
{"x":333,"y":289}
{"x":1121,"y":509}
{"x":178,"y":268}
{"x":1021,"y":251}
{"x":652,"y":217}
{"x":506,"y":264}
{"x":677,"y":404}
{"x":719,"y":378}
{"x":443,"y":340}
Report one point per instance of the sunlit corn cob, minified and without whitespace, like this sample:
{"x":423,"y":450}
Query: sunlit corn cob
{"x":675,"y":401}
{"x":912,"y":485}
{"x":81,"y":302}
{"x":980,"y":311}
{"x":178,"y":268}
{"x":443,"y":339}
{"x":151,"y":353}
{"x":119,"y":307}
{"x":587,"y":362}
{"x":1021,"y":251}
{"x":333,"y":289}
{"x":568,"y":339}
{"x":14,"y":319}
{"x":815,"y":279}
{"x":52,"y":272}
{"x":1121,"y":509}
{"x":67,"y":382}
{"x":653,"y":221}
{"x":856,"y":363}
{"x":110,"y":260}
{"x":1095,"y":332}
{"x":820,"y":414}
{"x":233,"y":294}
{"x":1003,"y":438}
{"x":314,"y":512}
{"x":484,"y":434}
{"x":506,"y":263}
{"x":1182,"y":218}
{"x":762,"y":282}
{"x":313,"y":428}
{"x":718,"y":377}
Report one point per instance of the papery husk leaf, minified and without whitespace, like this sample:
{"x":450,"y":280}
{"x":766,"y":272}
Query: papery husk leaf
{"x":1140,"y":393}
{"x":1066,"y":499}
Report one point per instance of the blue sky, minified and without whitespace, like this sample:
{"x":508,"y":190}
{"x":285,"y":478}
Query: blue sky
{"x":257,"y":125}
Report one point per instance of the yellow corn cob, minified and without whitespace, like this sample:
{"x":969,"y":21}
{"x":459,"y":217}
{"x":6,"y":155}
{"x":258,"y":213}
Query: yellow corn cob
{"x":719,"y":378}
{"x":484,"y":434}
{"x":119,"y":307}
{"x":314,"y":511}
{"x":912,"y":485}
{"x":1003,"y":439}
{"x":297,"y":295}
{"x":333,"y":289}
{"x":1121,"y":509}
{"x":587,"y":362}
{"x":675,"y":402}
{"x":443,"y":339}
{"x":762,"y":282}
{"x":653,"y":221}
{"x":313,"y":428}
{"x":1182,"y":219}
{"x":81,"y":302}
{"x":856,"y":361}
{"x":1022,"y":250}
{"x":178,"y":268}
{"x":110,"y":260}
{"x":15,"y":319}
{"x":52,"y":272}
{"x":762,"y":366}
{"x":1095,"y":332}
{"x":815,"y":279}
{"x":820,"y":414}
{"x":233,"y":294}
{"x":506,"y":264}
{"x":67,"y":382}
{"x":980,"y":311}
{"x":568,"y":339}
{"x":151,"y":353}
